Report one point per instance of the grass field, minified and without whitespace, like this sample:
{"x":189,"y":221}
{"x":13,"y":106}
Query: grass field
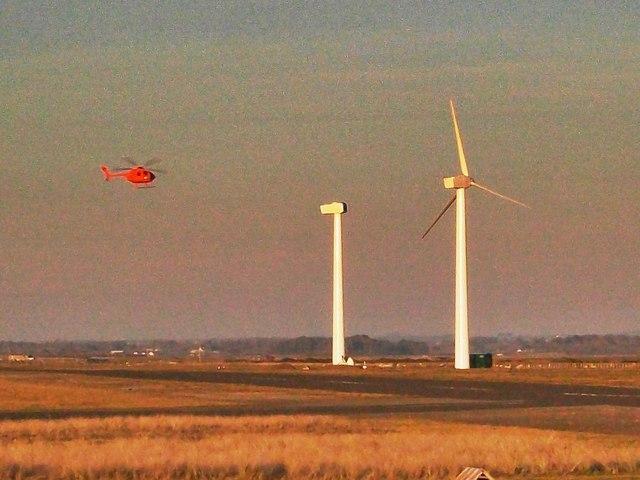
{"x":433,"y":444}
{"x":596,"y":372}
{"x":35,"y":391}
{"x":318,"y":447}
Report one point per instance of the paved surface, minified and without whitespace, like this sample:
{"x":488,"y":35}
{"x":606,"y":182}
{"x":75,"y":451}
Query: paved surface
{"x":523,"y":394}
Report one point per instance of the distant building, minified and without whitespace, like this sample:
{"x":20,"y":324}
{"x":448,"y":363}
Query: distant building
{"x":20,"y":357}
{"x":114,"y":353}
{"x":197,"y":353}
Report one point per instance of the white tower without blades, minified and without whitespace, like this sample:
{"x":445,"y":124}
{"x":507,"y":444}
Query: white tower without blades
{"x":460,"y":183}
{"x":337,"y":209}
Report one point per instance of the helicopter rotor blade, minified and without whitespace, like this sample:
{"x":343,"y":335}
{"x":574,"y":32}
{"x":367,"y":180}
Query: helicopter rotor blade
{"x":154,"y":161}
{"x":159,"y":170}
{"x":129,"y":160}
{"x":444,"y":210}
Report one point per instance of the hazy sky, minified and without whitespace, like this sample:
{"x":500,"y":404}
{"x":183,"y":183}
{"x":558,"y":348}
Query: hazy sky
{"x":263,"y":111}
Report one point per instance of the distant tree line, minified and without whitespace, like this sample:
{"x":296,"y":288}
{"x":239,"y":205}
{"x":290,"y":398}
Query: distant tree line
{"x":320,"y":347}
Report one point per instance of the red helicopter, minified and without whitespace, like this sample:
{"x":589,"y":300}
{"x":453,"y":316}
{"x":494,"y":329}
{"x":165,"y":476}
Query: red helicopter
{"x":138,"y":175}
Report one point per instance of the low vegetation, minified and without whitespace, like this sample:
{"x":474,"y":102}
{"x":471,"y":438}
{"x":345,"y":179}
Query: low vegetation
{"x":298,"y":447}
{"x":167,"y":442}
{"x":37,"y":391}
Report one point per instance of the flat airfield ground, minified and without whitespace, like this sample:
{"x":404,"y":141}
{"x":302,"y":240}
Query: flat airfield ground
{"x":597,"y":400}
{"x":588,"y":419}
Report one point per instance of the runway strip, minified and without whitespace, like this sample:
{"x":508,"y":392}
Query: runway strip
{"x":524,"y":394}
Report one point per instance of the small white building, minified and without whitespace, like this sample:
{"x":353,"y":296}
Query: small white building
{"x":197,"y":353}
{"x":20,"y":357}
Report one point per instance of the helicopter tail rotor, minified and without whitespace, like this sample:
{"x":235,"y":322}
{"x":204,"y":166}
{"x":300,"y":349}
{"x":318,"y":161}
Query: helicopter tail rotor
{"x":106,"y":172}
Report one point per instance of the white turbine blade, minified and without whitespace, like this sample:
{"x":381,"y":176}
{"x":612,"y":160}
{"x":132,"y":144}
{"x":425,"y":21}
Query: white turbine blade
{"x":463,"y":161}
{"x":486,"y":189}
{"x":444,"y":210}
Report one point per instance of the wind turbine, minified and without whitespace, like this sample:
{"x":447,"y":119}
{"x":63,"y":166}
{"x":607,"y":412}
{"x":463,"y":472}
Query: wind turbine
{"x":461,"y":183}
{"x":337,"y":209}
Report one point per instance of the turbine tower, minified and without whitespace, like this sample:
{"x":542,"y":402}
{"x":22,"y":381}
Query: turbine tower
{"x":337,"y":209}
{"x":461,"y":183}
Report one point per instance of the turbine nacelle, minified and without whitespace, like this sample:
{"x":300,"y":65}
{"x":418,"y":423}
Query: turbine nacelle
{"x":459,"y":181}
{"x":333,"y":208}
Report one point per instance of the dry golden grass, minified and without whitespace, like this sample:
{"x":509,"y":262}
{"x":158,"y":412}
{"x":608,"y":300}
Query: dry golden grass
{"x":37,"y":391}
{"x":586,"y":418}
{"x":565,"y":374}
{"x":434,"y":445}
{"x":302,"y":447}
{"x":562,"y":373}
